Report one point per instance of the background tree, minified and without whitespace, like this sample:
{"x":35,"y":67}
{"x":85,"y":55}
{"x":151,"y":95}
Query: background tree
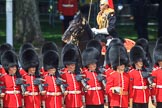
{"x":27,"y":22}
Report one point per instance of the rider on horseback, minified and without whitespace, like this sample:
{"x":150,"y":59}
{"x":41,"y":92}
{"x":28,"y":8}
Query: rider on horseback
{"x":106,"y":20}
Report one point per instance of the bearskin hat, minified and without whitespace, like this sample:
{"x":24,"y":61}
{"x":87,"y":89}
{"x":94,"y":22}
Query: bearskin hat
{"x":143,"y":43}
{"x":29,"y":59}
{"x":50,"y":60}
{"x":94,"y":43}
{"x":90,"y":55}
{"x":49,"y":46}
{"x":159,"y":41}
{"x":9,"y":59}
{"x":24,"y":47}
{"x":137,"y":53}
{"x":118,"y":56}
{"x":114,"y":41}
{"x":4,"y":47}
{"x":70,"y":57}
{"x":157,"y":53}
{"x":66,"y":51}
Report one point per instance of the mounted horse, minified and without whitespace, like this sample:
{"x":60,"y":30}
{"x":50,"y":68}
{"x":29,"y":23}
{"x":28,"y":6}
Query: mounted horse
{"x":79,"y":32}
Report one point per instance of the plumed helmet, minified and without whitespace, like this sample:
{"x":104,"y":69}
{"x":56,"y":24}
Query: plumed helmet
{"x":136,"y":54}
{"x":4,"y":47}
{"x":49,"y":46}
{"x":50,"y":60}
{"x":90,"y":55}
{"x":157,"y":53}
{"x":29,"y":59}
{"x":94,"y":43}
{"x":118,"y":56}
{"x":114,"y":42}
{"x":9,"y":59}
{"x":143,"y":43}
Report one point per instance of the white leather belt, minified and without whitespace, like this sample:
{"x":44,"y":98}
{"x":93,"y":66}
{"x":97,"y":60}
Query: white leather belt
{"x":67,"y":5}
{"x":33,"y":93}
{"x":158,"y":86}
{"x":74,"y":92}
{"x":12,"y":92}
{"x":140,"y":87}
{"x":95,"y":88}
{"x":54,"y":93}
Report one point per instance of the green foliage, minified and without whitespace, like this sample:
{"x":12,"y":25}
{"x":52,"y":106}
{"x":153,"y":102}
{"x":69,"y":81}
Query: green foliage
{"x":54,"y":33}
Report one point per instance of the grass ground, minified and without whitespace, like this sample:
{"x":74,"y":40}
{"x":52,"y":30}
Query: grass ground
{"x":54,"y":33}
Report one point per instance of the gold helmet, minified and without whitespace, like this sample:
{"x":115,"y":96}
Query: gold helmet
{"x":103,"y":2}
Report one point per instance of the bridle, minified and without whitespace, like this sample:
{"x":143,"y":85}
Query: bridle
{"x":74,"y":38}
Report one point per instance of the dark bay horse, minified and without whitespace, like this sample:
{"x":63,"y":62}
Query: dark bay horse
{"x":79,"y":32}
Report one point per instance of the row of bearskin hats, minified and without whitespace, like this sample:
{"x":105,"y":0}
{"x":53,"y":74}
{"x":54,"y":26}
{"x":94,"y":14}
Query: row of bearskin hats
{"x":116,"y":54}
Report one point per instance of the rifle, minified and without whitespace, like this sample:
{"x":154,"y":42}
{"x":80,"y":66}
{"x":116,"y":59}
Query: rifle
{"x":79,"y":77}
{"x":101,"y":77}
{"x":60,"y":82}
{"x":1,"y":88}
{"x":38,"y":82}
{"x":20,"y":81}
{"x":147,"y":74}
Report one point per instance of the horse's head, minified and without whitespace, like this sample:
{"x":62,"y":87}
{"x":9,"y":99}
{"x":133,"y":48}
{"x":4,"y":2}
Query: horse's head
{"x":76,"y":28}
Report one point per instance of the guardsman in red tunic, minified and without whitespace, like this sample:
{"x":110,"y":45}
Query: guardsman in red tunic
{"x":108,"y":69}
{"x":139,"y":91}
{"x":106,"y":20}
{"x":157,"y":55}
{"x":12,"y":93}
{"x":53,"y":97}
{"x":67,"y":10}
{"x":30,"y":64}
{"x":21,"y":50}
{"x":118,"y":81}
{"x":46,"y":47}
{"x":94,"y":96}
{"x":73,"y":93}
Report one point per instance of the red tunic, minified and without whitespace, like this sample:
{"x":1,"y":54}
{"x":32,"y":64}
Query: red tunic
{"x":22,"y":72}
{"x":13,"y":96}
{"x":54,"y":96}
{"x":94,"y":95}
{"x":139,"y":91}
{"x":121,"y":80}
{"x":68,"y":7}
{"x":33,"y":100}
{"x":73,"y":99}
{"x":157,"y":73}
